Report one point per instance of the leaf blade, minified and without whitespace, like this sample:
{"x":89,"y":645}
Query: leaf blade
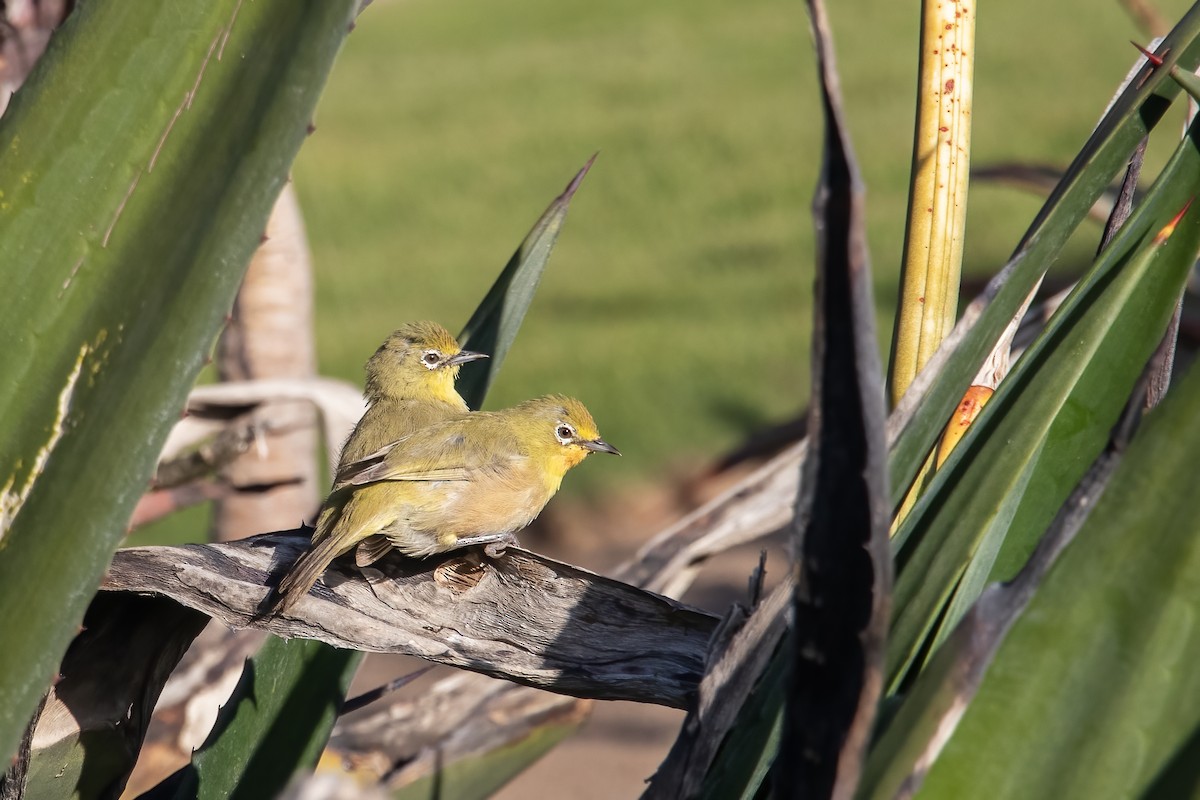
{"x":840,"y":529}
{"x":1103,"y":728}
{"x":1048,"y":419}
{"x":120,"y":280}
{"x":493,"y":327}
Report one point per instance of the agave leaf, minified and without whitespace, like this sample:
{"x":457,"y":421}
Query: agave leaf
{"x":1130,"y":117}
{"x":141,"y":159}
{"x":91,"y":727}
{"x":276,"y":723}
{"x":1101,"y":664}
{"x":1178,"y":779}
{"x":840,"y":529}
{"x":493,"y":327}
{"x":1049,"y":418}
{"x":920,"y":722}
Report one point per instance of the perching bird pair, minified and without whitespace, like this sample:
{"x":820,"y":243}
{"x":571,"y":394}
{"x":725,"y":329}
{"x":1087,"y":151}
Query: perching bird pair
{"x":423,"y":475}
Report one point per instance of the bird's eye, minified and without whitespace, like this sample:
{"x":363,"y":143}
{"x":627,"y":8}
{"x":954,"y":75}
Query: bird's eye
{"x":431,"y":358}
{"x":564,"y":433}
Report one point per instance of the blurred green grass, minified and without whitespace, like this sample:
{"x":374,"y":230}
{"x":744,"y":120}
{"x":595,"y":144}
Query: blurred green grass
{"x":677,"y":304}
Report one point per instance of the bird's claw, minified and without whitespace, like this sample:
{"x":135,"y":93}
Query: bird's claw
{"x":497,"y":548}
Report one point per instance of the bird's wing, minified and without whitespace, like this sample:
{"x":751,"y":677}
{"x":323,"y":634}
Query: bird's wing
{"x":424,"y":464}
{"x":449,"y":451}
{"x":371,"y":549}
{"x":359,"y":473}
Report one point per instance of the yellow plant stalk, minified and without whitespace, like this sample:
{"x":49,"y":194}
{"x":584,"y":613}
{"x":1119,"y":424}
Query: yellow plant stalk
{"x":938,"y":191}
{"x":972,"y":403}
{"x":994,"y":368}
{"x":937,"y":197}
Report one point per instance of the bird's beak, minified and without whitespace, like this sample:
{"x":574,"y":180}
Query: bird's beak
{"x":463,"y":356}
{"x":600,"y":446}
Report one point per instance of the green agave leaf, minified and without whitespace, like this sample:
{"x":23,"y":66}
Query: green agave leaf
{"x":91,"y":727}
{"x":275,"y":724}
{"x":141,"y":160}
{"x":285,"y":704}
{"x":1094,"y":693}
{"x":1179,"y":779}
{"x":1137,"y":110}
{"x":921,"y":720}
{"x":1047,"y":422}
{"x":1188,"y":81}
{"x":493,"y":327}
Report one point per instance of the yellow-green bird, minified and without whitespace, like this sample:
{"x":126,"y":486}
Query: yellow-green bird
{"x":410,"y":385}
{"x":474,"y":479}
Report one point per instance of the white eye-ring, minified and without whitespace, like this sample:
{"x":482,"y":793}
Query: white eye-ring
{"x":431,"y":359}
{"x":564,"y":433}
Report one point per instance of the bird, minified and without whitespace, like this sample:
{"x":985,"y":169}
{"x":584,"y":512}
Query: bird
{"x":410,"y":384}
{"x":469,"y":480}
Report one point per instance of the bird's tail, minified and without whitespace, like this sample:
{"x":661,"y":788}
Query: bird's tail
{"x":304,"y":573}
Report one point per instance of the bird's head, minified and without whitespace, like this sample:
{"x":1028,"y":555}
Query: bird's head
{"x":560,"y":431}
{"x":419,"y":361}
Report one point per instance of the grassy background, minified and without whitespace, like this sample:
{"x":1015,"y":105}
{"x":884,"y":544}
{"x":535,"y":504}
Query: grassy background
{"x":677,"y":303}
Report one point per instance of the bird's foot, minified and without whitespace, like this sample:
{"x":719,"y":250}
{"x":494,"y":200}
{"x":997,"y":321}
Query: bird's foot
{"x":494,"y":543}
{"x":496,"y":549}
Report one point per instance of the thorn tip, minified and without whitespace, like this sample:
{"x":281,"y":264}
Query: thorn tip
{"x":1155,"y":60}
{"x":573,"y":186}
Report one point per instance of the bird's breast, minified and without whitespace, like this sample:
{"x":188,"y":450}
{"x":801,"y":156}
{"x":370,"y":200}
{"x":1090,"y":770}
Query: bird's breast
{"x":491,"y":501}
